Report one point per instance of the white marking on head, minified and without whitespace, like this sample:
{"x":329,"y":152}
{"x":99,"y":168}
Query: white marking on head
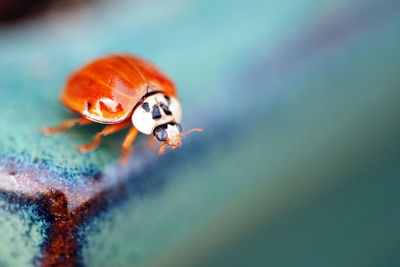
{"x":176,"y":109}
{"x":172,"y":131}
{"x":156,"y":110}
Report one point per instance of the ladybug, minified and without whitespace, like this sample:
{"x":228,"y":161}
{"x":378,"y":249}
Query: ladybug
{"x":122,"y":91}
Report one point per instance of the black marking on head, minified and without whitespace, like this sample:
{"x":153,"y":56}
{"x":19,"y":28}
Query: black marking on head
{"x":168,"y":100}
{"x":146,"y":107}
{"x":88,"y":105}
{"x":166,"y":109}
{"x":156,"y":113}
{"x":177,"y":125}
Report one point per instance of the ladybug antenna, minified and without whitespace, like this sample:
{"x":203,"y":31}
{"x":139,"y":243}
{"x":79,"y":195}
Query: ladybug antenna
{"x":168,"y":143}
{"x":193,"y":130}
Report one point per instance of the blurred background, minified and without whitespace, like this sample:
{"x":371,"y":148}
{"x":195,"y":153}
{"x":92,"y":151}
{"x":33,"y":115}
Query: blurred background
{"x":298,"y":164}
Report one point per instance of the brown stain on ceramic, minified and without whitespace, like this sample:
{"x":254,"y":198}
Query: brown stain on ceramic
{"x":63,"y":244}
{"x":65,"y":208}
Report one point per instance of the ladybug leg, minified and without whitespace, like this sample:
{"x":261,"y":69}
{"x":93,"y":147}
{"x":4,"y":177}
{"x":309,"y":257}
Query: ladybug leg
{"x":126,"y":145}
{"x":65,"y":125}
{"x":110,"y":129}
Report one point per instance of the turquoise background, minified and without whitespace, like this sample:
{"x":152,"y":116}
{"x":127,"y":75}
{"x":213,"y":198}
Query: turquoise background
{"x":297,"y":165}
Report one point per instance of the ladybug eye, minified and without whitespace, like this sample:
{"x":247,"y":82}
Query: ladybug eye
{"x":161,"y":134}
{"x":179,"y":127}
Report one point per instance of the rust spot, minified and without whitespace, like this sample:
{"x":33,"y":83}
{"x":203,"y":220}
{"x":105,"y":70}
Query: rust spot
{"x":63,"y":244}
{"x":63,"y":239}
{"x":61,"y":247}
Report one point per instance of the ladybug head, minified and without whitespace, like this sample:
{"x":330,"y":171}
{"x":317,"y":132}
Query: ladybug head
{"x":160,"y":115}
{"x":170,"y":134}
{"x":156,"y":110}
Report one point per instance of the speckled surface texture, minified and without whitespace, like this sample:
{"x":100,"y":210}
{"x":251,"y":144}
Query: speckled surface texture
{"x":22,"y":231}
{"x":297,"y":164}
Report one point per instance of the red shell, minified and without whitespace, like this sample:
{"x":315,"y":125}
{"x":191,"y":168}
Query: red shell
{"x":107,"y":89}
